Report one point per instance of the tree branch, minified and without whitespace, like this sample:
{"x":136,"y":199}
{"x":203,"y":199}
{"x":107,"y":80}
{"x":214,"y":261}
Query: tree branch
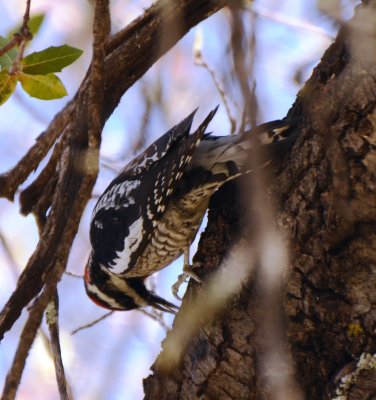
{"x":130,"y":54}
{"x":52,"y":317}
{"x":11,"y":180}
{"x":73,"y":202}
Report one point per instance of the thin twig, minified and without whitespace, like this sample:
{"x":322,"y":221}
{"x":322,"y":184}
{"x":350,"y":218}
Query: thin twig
{"x":12,"y":179}
{"x":15,"y":41}
{"x":156,"y":316}
{"x":110,"y":165}
{"x":141,"y":137}
{"x":20,"y":38}
{"x":25,"y":37}
{"x":92,"y":323}
{"x":243,"y":70}
{"x":52,"y":318}
{"x":199,"y":60}
{"x":47,"y":346}
{"x":26,"y":16}
{"x":72,"y":274}
{"x":290,"y":21}
{"x":12,"y":262}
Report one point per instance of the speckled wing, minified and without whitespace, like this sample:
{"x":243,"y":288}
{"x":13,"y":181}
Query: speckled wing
{"x":157,"y":150}
{"x":127,"y":212}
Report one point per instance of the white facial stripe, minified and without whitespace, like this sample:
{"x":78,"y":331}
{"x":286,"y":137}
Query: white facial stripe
{"x":102,"y":296}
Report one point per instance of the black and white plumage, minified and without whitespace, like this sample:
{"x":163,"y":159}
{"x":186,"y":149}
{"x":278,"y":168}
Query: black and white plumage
{"x":149,"y":215}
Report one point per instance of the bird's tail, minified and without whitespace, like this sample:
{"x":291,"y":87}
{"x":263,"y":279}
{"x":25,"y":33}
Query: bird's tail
{"x":230,"y":156}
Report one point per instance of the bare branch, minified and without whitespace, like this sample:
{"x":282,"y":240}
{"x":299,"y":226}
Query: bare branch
{"x":26,"y":16}
{"x":26,"y":340}
{"x":30,"y":196}
{"x":242,"y":68}
{"x":52,"y":317}
{"x":156,"y":316}
{"x":20,"y":38}
{"x":141,"y":137}
{"x":26,"y":36}
{"x":69,"y":177}
{"x":68,"y":169}
{"x":15,"y":41}
{"x":12,"y":262}
{"x":101,"y":26}
{"x":290,"y":21}
{"x":11,"y":180}
{"x":200,"y":61}
{"x":72,"y":274}
{"x":92,"y":323}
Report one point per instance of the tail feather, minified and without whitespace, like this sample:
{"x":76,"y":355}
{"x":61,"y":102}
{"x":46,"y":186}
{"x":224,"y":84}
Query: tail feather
{"x":228,"y":156}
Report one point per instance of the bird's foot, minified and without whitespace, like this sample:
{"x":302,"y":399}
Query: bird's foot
{"x":187,"y":273}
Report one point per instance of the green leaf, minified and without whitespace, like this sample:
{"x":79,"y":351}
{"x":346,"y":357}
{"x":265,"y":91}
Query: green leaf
{"x":7,"y":59}
{"x":44,"y":87}
{"x":8,"y":83}
{"x":52,"y":59}
{"x":34,"y":24}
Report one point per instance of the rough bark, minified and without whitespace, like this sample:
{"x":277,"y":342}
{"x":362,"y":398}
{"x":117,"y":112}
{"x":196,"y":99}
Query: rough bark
{"x":326,"y":193}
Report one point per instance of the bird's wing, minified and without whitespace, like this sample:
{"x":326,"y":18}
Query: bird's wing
{"x":129,"y":209}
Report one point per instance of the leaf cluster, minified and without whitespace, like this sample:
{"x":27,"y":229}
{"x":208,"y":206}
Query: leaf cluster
{"x":36,"y":71}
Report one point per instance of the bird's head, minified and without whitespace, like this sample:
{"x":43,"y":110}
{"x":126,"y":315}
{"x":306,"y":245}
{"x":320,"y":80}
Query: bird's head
{"x":114,"y":292}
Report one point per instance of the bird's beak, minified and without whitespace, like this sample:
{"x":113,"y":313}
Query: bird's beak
{"x":161,"y":304}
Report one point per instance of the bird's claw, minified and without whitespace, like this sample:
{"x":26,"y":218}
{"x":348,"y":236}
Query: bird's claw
{"x":176,"y":286}
{"x":187,"y":273}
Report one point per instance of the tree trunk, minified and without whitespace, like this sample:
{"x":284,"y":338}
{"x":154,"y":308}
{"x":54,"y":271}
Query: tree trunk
{"x":326,"y":191}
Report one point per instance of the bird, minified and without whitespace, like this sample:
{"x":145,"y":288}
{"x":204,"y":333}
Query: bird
{"x":150,"y":213}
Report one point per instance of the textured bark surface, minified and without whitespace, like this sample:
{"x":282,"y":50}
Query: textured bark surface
{"x":327,"y":196}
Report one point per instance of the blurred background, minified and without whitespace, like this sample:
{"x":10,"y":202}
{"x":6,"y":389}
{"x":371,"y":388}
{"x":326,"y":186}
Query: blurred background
{"x":286,"y":40}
